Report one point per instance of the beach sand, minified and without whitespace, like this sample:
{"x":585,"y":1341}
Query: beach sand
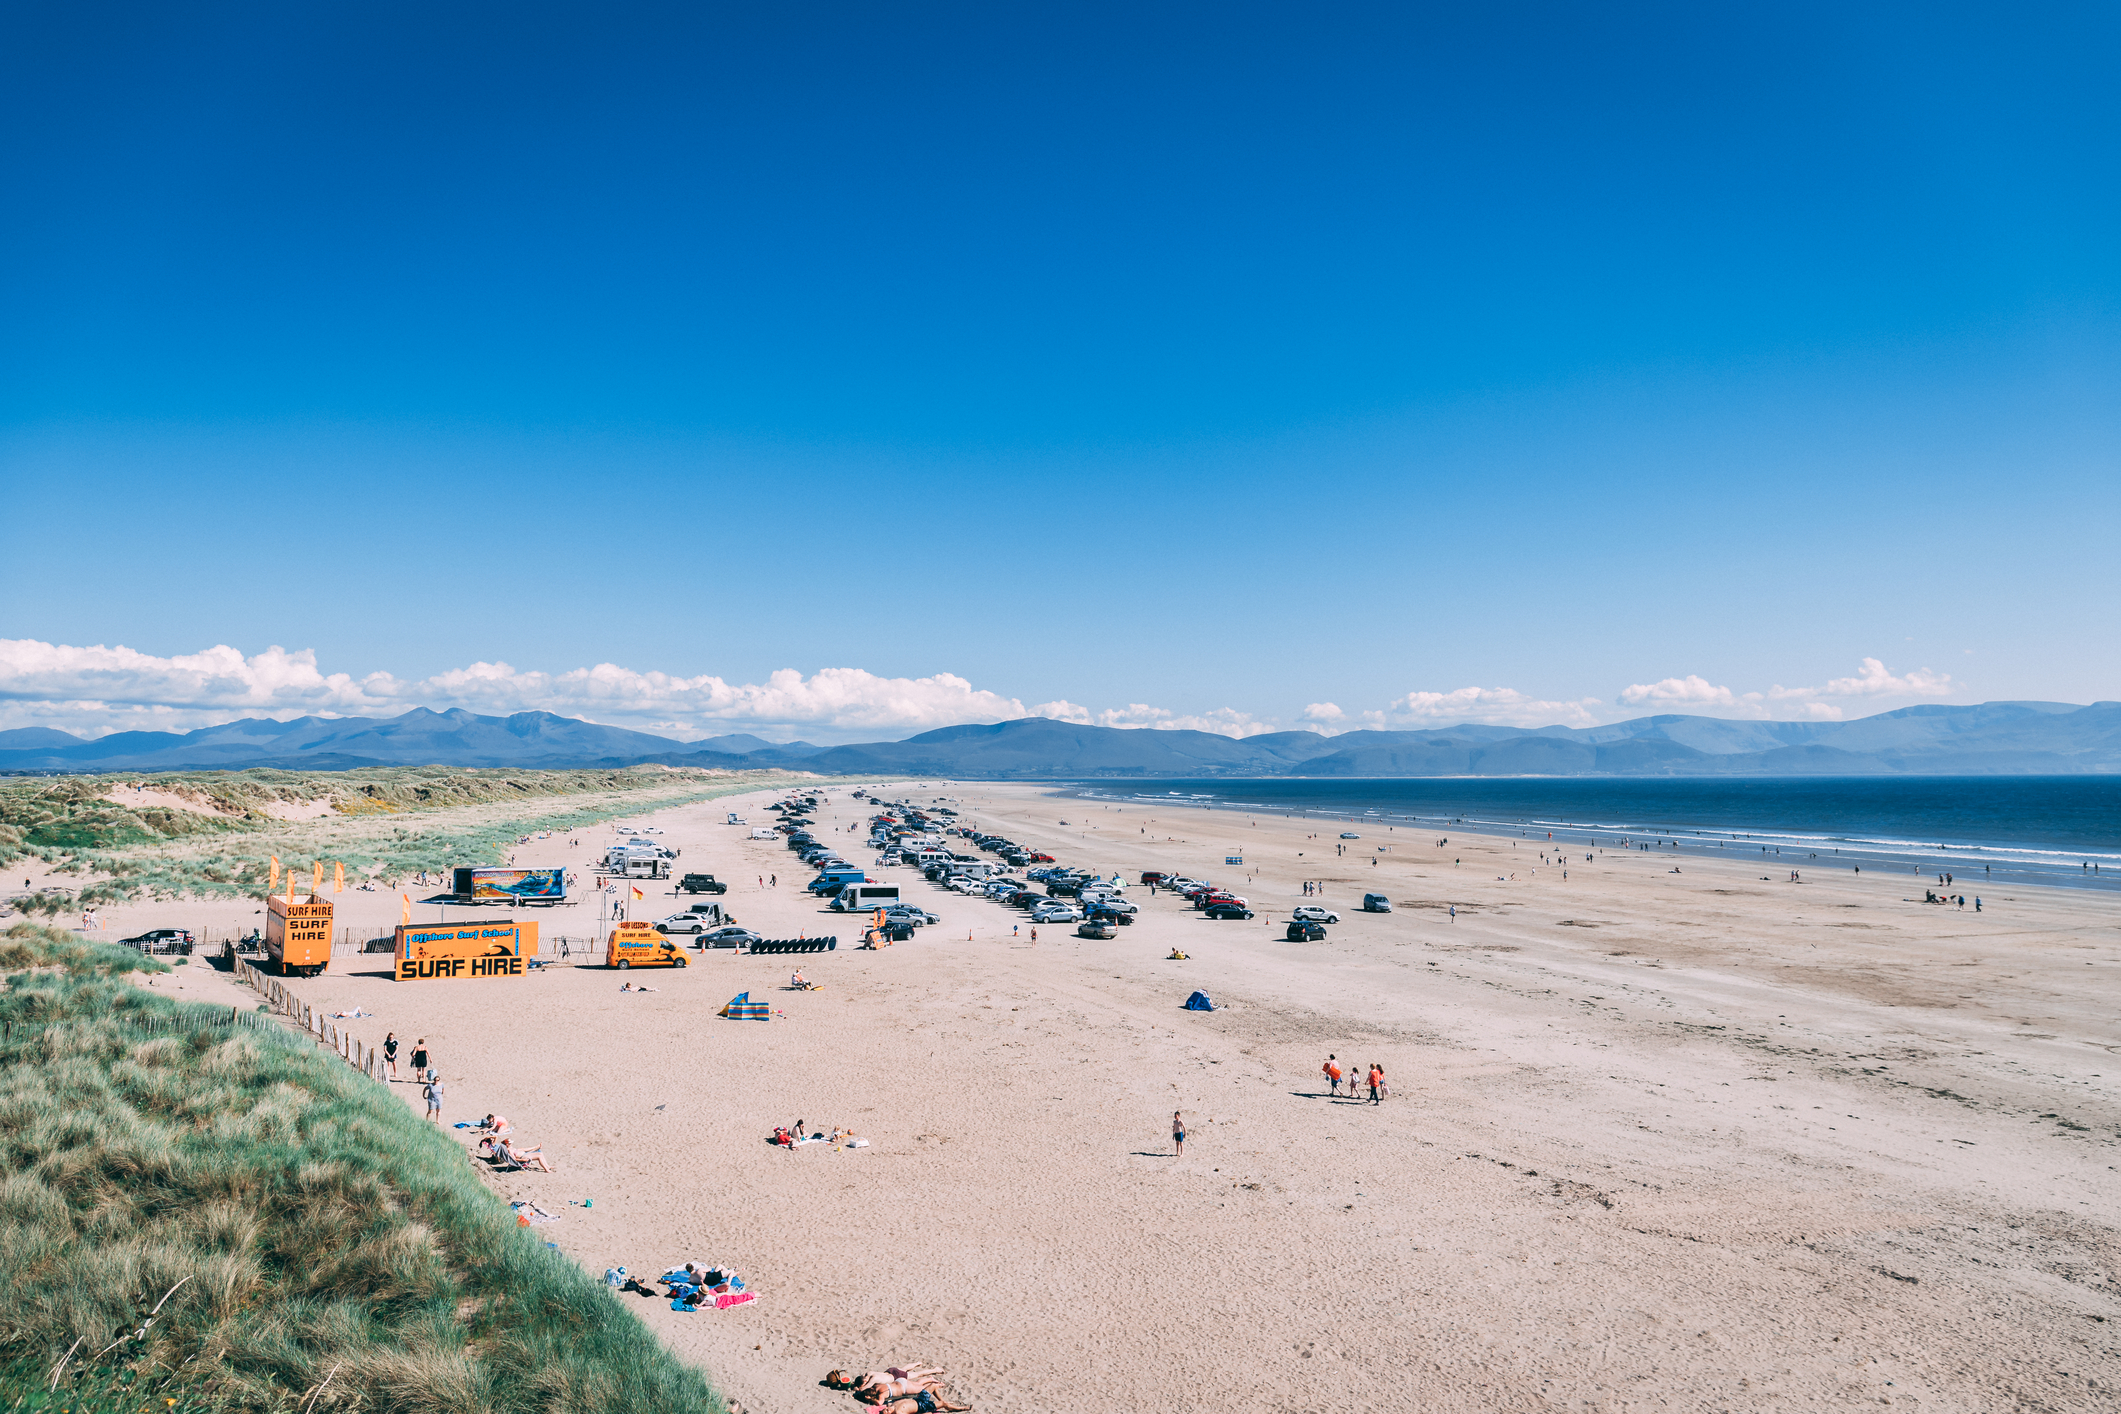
{"x":1655,"y":1140}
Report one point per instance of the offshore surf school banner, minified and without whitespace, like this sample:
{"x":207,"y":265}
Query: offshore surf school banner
{"x":434,"y":950}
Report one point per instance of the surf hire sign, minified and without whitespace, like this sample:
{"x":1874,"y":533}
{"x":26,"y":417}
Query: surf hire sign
{"x":429,"y":951}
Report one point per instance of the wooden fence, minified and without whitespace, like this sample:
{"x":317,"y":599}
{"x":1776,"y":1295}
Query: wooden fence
{"x":362,"y":1057}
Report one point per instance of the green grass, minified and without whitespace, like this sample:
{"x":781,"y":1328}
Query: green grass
{"x":315,"y":1231}
{"x":386,"y":824}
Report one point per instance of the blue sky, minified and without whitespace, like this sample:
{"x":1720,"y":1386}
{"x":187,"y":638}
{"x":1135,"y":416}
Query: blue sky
{"x":1147,"y":365}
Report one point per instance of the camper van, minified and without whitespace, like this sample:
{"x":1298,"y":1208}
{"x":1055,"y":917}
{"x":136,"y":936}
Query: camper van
{"x":858,"y":897}
{"x":640,"y":945}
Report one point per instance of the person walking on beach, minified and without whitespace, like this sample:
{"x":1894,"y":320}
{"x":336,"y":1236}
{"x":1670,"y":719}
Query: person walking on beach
{"x":1178,"y":1132}
{"x":419,"y":1059}
{"x":390,"y":1054}
{"x":1333,"y":1072}
{"x":433,"y":1092}
{"x":1377,"y":1080}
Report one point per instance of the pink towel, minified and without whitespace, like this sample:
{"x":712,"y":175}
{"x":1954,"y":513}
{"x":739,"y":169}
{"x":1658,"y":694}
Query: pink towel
{"x":734,"y":1298}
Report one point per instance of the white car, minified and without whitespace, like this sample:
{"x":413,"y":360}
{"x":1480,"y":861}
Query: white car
{"x":1312,"y":913}
{"x":678,"y":923}
{"x":1349,"y":835}
{"x":1056,"y":913}
{"x":651,"y":830}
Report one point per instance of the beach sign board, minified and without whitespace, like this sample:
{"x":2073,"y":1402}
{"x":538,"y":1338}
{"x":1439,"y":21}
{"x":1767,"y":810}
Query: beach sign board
{"x":485,"y":949}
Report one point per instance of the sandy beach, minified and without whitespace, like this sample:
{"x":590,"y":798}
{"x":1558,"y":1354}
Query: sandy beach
{"x":1655,"y":1140}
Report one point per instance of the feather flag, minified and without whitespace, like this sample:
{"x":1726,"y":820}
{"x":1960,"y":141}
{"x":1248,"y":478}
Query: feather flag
{"x":273,"y":882}
{"x":290,"y":886}
{"x":338,"y":877}
{"x":316,"y":876}
{"x":405,"y":908}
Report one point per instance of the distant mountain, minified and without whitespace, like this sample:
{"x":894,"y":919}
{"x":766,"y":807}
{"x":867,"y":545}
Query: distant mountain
{"x":418,"y":738}
{"x":1993,"y":738}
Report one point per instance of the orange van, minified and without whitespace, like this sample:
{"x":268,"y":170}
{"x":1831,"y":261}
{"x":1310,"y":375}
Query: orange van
{"x":640,"y":945}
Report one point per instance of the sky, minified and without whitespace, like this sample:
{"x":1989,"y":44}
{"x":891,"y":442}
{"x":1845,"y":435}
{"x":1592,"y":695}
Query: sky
{"x":842,"y":372}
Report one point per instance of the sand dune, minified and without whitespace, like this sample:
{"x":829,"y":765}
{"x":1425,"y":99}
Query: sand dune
{"x":1655,"y":1141}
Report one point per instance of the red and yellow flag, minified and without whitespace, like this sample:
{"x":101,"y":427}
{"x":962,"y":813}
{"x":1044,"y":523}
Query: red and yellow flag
{"x":637,"y":892}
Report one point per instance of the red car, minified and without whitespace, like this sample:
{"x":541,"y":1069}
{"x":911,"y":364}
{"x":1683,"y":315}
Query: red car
{"x":1042,"y":859}
{"x":1153,"y":876}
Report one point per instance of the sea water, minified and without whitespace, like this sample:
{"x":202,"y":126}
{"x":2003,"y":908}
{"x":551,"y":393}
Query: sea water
{"x":1980,"y":829}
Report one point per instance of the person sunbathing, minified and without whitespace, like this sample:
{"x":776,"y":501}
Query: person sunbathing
{"x":928,"y":1401}
{"x":891,"y":1374}
{"x":524,"y":1158}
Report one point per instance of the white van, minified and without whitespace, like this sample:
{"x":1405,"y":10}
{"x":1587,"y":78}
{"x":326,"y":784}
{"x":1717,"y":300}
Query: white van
{"x":759,"y":834}
{"x":861,"y":898}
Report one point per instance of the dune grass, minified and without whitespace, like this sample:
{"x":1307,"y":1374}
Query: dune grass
{"x":385,"y":824}
{"x":312,"y":1245}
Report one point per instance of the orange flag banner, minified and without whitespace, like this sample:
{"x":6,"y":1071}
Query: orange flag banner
{"x":316,"y":876}
{"x":405,"y":908}
{"x":338,"y":877}
{"x":273,"y":882}
{"x":290,"y":885}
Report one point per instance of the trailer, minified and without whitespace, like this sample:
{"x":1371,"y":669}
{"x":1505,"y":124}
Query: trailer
{"x":542,"y":887}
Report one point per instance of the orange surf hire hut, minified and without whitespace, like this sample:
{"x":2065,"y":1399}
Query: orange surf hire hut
{"x":473,"y":950}
{"x":298,"y":936}
{"x":640,"y":945}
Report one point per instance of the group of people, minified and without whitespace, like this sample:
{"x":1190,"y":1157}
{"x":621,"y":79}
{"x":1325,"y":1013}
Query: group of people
{"x":900,"y":1389}
{"x":800,"y":1134}
{"x":497,"y":1145}
{"x":1335,"y":1073}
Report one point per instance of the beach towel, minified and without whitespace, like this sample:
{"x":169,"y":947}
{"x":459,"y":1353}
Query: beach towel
{"x":734,"y":1298}
{"x":1199,"y":1002}
{"x":742,"y":1008}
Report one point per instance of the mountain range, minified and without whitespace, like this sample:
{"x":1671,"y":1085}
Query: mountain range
{"x":1992,"y":738}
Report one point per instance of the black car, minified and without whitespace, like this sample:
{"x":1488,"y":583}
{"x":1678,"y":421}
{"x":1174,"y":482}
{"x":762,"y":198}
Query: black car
{"x":702,"y":884}
{"x":161,"y":940}
{"x":1227,"y":910}
{"x":1110,"y":915}
{"x":1302,"y":931}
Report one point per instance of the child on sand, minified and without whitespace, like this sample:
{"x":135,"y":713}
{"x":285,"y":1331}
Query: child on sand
{"x":1178,"y":1132}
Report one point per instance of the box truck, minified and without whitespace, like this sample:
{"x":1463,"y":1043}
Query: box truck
{"x":298,"y":936}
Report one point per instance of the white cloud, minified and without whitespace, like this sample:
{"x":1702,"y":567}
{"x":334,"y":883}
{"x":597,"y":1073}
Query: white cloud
{"x":1874,"y":681}
{"x":1694,"y":693}
{"x":1689,"y":692}
{"x":97,"y":690}
{"x":1492,"y":706}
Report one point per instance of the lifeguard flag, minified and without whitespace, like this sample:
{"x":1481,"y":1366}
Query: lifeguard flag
{"x":338,"y":877}
{"x":274,"y":881}
{"x":405,"y":908}
{"x":637,"y":892}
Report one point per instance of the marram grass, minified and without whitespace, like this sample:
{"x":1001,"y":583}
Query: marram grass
{"x":315,"y":1247}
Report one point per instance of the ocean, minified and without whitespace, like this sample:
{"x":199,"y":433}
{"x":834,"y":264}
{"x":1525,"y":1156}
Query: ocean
{"x":2057,"y":830}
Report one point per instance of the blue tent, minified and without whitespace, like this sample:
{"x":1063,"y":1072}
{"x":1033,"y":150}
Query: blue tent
{"x":1199,"y":1002}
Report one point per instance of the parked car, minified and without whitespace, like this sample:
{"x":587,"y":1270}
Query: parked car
{"x":1227,"y":910}
{"x":1056,"y":913}
{"x":701,"y":884}
{"x":1313,"y":913}
{"x":1095,"y":929}
{"x":1106,"y":915}
{"x":167,"y":941}
{"x":730,"y":937}
{"x":1349,"y":835}
{"x":1154,"y":876}
{"x":682,"y":923}
{"x":1041,"y":859}
{"x":1303,"y":930}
